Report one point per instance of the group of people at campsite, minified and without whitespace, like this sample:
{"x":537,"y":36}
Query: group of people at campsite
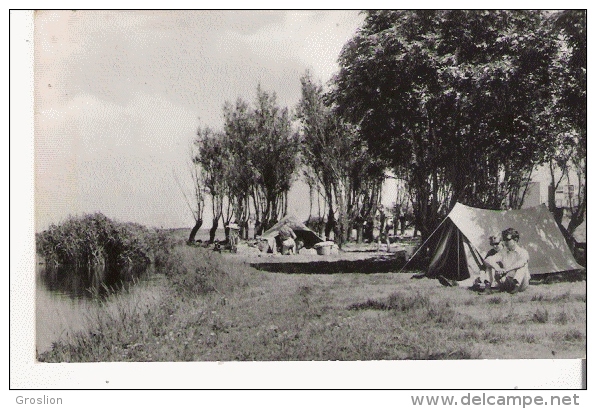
{"x":505,"y":266}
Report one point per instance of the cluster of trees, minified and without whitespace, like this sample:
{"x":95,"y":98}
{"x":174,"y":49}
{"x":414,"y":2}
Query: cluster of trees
{"x":338,"y":163}
{"x":465,"y":105}
{"x":246,"y":167}
{"x":459,"y":105}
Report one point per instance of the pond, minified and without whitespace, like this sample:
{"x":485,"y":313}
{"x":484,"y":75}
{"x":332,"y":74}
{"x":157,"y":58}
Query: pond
{"x":65,"y":297}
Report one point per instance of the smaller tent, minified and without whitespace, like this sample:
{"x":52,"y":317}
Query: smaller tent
{"x":303,"y":233}
{"x":463,"y":241}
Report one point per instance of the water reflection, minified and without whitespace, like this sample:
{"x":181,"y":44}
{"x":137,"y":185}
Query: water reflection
{"x":66,"y":296}
{"x":88,"y":282}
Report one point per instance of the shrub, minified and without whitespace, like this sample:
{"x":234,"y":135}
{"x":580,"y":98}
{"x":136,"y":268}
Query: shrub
{"x":407,"y":302}
{"x":369,"y":305}
{"x":443,"y":351}
{"x":93,"y":239}
{"x":573,"y":335}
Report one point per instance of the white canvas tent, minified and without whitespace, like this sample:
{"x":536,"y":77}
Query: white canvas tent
{"x":306,"y":235}
{"x":463,"y":241}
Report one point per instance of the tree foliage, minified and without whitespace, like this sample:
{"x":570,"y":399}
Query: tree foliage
{"x":455,"y":101}
{"x":275,"y":157}
{"x":338,"y":160}
{"x":255,"y":157}
{"x":569,"y":109}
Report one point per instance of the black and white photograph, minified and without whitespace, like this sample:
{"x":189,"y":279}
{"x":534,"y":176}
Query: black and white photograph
{"x":309,"y":186}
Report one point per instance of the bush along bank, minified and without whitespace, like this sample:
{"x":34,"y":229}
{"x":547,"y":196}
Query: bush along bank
{"x":95,"y":240}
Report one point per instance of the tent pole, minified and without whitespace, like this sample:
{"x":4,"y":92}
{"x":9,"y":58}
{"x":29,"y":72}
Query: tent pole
{"x":458,"y":243}
{"x":428,"y":238}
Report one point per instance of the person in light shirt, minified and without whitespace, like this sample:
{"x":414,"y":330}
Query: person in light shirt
{"x":510,"y":264}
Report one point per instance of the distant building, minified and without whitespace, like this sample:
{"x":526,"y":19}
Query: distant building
{"x":532,"y":196}
{"x":565,"y":197}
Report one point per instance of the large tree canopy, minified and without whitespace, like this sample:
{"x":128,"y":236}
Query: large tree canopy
{"x":569,"y":111}
{"x":453,"y":100}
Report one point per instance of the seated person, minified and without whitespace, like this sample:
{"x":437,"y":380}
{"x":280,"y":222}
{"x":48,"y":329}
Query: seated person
{"x":495,"y":242}
{"x":511,"y":264}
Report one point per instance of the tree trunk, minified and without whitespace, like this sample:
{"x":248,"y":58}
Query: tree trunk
{"x":552,"y":205}
{"x":330,"y":226}
{"x":193,"y":232}
{"x":359,"y":231}
{"x":573,"y":224}
{"x":258,"y":228}
{"x":578,"y":216}
{"x":213,"y":230}
{"x":244,"y":229}
{"x":341,"y":232}
{"x":367,"y":233}
{"x":310,"y":195}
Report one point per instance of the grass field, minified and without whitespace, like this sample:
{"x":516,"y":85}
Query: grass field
{"x":252,"y":315}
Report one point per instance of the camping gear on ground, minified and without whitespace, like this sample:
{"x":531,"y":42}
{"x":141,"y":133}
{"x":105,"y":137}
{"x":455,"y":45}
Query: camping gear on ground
{"x":324,"y":248}
{"x":463,"y":239}
{"x":303,"y":233}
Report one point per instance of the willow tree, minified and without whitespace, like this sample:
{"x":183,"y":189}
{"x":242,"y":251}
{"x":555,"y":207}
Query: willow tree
{"x":241,"y":175}
{"x":211,"y":156}
{"x":339,"y":161}
{"x":274,"y":158}
{"x":195,"y":201}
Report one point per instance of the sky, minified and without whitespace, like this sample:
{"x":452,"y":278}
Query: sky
{"x":119,"y":96}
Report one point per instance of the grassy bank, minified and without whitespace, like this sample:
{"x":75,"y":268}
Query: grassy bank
{"x":209,"y":308}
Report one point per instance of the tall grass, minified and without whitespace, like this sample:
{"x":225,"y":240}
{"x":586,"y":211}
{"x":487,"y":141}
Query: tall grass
{"x":111,"y":328}
{"x":195,"y":271}
{"x":157,"y":320}
{"x":210,"y":309}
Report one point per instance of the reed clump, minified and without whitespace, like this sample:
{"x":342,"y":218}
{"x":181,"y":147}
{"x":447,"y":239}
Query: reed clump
{"x":94,"y":239}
